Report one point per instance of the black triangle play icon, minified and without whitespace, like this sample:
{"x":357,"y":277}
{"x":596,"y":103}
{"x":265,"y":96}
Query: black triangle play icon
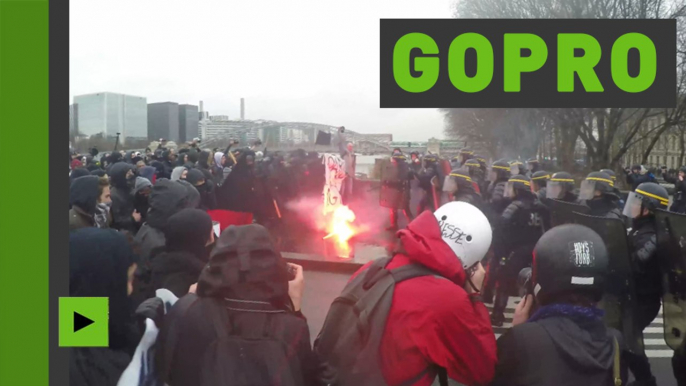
{"x":81,"y":321}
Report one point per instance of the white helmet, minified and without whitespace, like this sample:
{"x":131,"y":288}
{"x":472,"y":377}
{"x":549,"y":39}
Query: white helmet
{"x":466,"y":230}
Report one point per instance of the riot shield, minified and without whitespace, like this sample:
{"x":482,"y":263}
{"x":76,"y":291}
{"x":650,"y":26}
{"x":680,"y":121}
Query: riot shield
{"x":562,"y":212}
{"x":619,"y":299}
{"x":393,"y":189}
{"x":671,"y":244}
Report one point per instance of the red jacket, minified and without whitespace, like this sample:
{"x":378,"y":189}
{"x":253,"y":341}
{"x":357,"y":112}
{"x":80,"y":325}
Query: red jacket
{"x":434,"y":321}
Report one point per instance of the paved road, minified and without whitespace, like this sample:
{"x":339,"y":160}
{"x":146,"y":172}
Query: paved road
{"x":657,"y":350}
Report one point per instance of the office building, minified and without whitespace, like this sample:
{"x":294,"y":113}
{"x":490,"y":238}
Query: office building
{"x":107,"y":114}
{"x":219,"y":118}
{"x":73,"y":120}
{"x":188,"y":122}
{"x":242,"y":109}
{"x":163,"y":121}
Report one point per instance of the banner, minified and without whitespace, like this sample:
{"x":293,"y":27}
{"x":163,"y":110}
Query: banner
{"x":334,"y":169}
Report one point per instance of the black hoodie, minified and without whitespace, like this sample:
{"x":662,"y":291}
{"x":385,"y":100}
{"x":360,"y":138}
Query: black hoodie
{"x":237,"y":193}
{"x":245,"y":272}
{"x":557,"y":351}
{"x":83,"y":198}
{"x":208,"y":200}
{"x":99,"y":260}
{"x":122,"y":197}
{"x":185,"y":255}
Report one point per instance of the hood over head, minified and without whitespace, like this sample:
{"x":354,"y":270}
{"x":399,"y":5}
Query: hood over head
{"x":203,"y":159}
{"x":77,"y":173}
{"x":148,"y":172}
{"x":83,"y":193}
{"x":423,"y":243}
{"x":177,"y":172}
{"x":99,"y":172}
{"x":166,"y":199}
{"x":193,"y":156}
{"x":245,"y":265}
{"x":218,"y":158}
{"x":117,"y":174}
{"x":194,"y":175}
{"x":99,"y":260}
{"x":141,"y":183}
{"x":188,"y":231}
{"x":192,"y":194}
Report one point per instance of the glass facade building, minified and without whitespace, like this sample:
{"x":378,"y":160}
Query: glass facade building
{"x":109,"y":113}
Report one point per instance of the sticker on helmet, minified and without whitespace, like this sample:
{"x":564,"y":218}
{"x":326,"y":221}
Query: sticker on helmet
{"x":581,"y":253}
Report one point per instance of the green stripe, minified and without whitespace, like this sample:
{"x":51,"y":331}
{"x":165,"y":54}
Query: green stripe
{"x":24,"y":202}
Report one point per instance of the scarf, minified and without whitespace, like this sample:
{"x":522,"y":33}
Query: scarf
{"x":578,"y":314}
{"x":102,"y":211}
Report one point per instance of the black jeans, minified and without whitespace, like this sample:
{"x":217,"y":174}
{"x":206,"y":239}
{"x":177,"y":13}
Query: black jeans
{"x":648,"y":308}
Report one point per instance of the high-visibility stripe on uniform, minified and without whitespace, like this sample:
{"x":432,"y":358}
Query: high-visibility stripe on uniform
{"x":501,"y":167}
{"x":525,"y":182}
{"x":562,"y":179}
{"x":541,"y":177}
{"x":601,"y":179}
{"x":461,"y":175}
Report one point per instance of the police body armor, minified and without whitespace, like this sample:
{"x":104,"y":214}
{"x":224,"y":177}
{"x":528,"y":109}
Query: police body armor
{"x":671,"y":244}
{"x":394,"y":184}
{"x":619,"y":299}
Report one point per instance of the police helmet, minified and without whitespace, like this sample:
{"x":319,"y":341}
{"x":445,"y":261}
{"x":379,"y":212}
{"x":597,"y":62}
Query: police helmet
{"x":539,"y":180}
{"x":647,"y":195}
{"x":597,"y":182}
{"x":458,"y":180}
{"x":500,"y":169}
{"x":517,"y":184}
{"x":559,"y":184}
{"x":611,"y":173}
{"x":569,"y":258}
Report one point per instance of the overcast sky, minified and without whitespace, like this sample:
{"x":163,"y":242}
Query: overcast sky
{"x":292,"y":60}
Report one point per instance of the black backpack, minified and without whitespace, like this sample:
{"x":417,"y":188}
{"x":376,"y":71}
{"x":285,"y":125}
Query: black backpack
{"x":348,"y":344}
{"x":241,"y":358}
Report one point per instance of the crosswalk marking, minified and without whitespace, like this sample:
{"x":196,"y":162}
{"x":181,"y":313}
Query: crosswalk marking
{"x":653,"y":335}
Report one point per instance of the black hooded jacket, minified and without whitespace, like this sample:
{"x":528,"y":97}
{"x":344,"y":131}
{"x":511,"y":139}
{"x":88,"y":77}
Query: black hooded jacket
{"x":643,"y":249}
{"x":264,"y":280}
{"x":122,"y":197}
{"x":557,"y":351}
{"x":237,"y":193}
{"x":99,"y":260}
{"x":83,"y":198}
{"x":208,"y":200}
{"x":185,"y":255}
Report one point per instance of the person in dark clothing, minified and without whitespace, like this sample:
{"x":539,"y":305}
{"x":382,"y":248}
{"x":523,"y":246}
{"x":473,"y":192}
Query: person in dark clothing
{"x":123,"y":180}
{"x":539,"y":180}
{"x":428,"y":182}
{"x":561,"y":187}
{"x":168,"y":163}
{"x":99,"y":173}
{"x":477,"y":175}
{"x":640,"y":208}
{"x":563,"y":341}
{"x":203,"y":165}
{"x":188,"y":235}
{"x":140,"y":199}
{"x":495,"y":195}
{"x":208,"y":201}
{"x":461,"y":186}
{"x":598,"y":193}
{"x":516,"y":234}
{"x":679,"y":204}
{"x":637,"y":176}
{"x":149,"y":173}
{"x":77,"y":173}
{"x":245,"y":285}
{"x":101,"y":265}
{"x":166,"y":199}
{"x":534,"y":165}
{"x":405,"y":175}
{"x":237,"y":192}
{"x":86,"y":195}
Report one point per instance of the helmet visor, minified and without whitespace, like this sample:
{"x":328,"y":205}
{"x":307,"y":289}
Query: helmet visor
{"x":554,"y":189}
{"x":493,"y":176}
{"x":634,"y":203}
{"x":449,"y":184}
{"x":509,"y":190}
{"x":588,"y":189}
{"x":514,"y":169}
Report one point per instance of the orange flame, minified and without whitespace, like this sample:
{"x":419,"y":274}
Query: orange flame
{"x":341,"y":227}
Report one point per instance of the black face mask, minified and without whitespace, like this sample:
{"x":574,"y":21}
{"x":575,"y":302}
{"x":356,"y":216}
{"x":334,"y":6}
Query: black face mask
{"x":131,"y":181}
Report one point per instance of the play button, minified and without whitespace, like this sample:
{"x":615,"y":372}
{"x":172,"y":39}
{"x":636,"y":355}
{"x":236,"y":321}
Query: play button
{"x":81,"y":321}
{"x":84,"y":322}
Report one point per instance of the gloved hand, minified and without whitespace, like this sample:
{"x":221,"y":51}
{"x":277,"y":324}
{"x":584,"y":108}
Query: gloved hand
{"x":152,"y":308}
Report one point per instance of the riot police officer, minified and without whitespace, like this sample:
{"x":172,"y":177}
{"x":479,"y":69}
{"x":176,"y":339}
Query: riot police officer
{"x":533,"y":165}
{"x":428,"y":181}
{"x":598,"y":193}
{"x":640,"y":208}
{"x":463,"y":188}
{"x":465,"y":154}
{"x":415,"y":162}
{"x":402,"y":185}
{"x":561,"y":187}
{"x":474,"y":169}
{"x":517,"y":231}
{"x":679,"y":181}
{"x":539,"y":180}
{"x":517,"y":167}
{"x":500,"y":173}
{"x":483,"y":186}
